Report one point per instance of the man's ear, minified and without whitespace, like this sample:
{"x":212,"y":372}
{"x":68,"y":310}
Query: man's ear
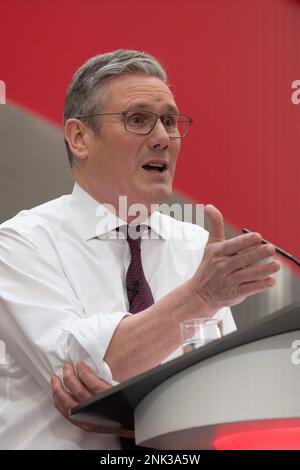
{"x":77,"y":136}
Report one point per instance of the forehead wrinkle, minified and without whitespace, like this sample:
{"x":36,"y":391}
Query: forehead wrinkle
{"x":124,"y":92}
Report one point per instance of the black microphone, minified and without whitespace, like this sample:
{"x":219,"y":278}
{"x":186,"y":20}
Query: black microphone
{"x":134,"y":288}
{"x":277,"y":249}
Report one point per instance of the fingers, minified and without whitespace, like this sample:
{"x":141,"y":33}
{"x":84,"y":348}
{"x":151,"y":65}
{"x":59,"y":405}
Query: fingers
{"x":216,"y":226}
{"x":240,"y":243}
{"x":216,"y":234}
{"x":90,"y":379}
{"x":74,"y":384}
{"x":256,"y":273}
{"x":256,"y":287}
{"x":80,"y":387}
{"x":249,"y":256}
{"x":63,"y":401}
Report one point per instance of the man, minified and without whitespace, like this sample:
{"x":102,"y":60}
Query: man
{"x":68,"y":292}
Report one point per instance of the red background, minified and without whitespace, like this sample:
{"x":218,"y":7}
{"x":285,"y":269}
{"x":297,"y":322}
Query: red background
{"x":233,"y":62}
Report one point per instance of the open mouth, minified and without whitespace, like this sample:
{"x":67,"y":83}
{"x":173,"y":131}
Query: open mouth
{"x":155,"y":167}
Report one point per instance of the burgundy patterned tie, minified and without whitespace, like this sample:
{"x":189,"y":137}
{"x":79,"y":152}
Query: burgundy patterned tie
{"x":139,"y":295}
{"x":138,"y":290}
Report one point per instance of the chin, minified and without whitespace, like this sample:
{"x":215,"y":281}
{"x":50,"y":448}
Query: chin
{"x":158,"y":196}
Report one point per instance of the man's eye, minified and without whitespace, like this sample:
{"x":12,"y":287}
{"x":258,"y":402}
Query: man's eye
{"x":137,"y":119}
{"x":170,"y":121}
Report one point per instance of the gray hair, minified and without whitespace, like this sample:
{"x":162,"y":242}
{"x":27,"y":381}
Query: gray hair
{"x":88,"y":86}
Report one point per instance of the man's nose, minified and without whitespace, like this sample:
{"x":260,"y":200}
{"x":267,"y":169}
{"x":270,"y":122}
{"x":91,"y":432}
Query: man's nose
{"x":158,"y":137}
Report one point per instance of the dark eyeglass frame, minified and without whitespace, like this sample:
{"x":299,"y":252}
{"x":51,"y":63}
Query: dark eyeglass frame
{"x":189,"y":120}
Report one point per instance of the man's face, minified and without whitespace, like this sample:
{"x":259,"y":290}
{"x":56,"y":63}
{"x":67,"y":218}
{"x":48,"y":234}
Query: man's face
{"x":117,"y":158}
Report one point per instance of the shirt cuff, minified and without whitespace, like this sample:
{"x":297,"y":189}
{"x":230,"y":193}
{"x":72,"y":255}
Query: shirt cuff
{"x":89,"y":339}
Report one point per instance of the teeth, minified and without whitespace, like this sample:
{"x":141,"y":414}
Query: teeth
{"x":156,"y":165}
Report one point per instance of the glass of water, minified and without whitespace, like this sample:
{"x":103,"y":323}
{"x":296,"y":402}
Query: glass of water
{"x":197,"y":332}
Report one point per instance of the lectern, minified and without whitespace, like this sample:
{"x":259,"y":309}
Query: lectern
{"x":248,"y":380}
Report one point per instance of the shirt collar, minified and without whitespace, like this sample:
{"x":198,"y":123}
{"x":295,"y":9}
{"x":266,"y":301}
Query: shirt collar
{"x":96,"y":220}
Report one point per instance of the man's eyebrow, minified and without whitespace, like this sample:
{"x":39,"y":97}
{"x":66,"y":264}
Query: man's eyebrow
{"x":147,"y":107}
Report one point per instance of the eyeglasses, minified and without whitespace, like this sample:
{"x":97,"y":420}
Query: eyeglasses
{"x":143,"y":122}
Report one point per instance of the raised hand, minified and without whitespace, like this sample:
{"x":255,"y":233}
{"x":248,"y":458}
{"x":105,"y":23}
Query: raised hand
{"x":229,"y":271}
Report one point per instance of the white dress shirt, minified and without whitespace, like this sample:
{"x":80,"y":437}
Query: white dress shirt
{"x":62,"y":295}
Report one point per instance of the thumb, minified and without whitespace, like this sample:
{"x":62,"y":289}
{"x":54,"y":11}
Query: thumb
{"x":216,"y":225}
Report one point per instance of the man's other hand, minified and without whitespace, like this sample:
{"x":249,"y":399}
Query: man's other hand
{"x":81,"y":385}
{"x":229,"y":271}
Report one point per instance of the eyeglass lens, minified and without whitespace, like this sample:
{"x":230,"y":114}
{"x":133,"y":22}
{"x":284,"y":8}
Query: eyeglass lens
{"x":142,"y":122}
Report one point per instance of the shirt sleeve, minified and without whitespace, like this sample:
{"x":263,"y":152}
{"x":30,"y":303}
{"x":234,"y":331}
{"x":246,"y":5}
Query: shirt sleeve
{"x":42,"y":321}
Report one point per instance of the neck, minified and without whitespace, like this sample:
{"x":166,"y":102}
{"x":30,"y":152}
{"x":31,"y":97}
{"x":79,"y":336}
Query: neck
{"x":126,"y":208}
